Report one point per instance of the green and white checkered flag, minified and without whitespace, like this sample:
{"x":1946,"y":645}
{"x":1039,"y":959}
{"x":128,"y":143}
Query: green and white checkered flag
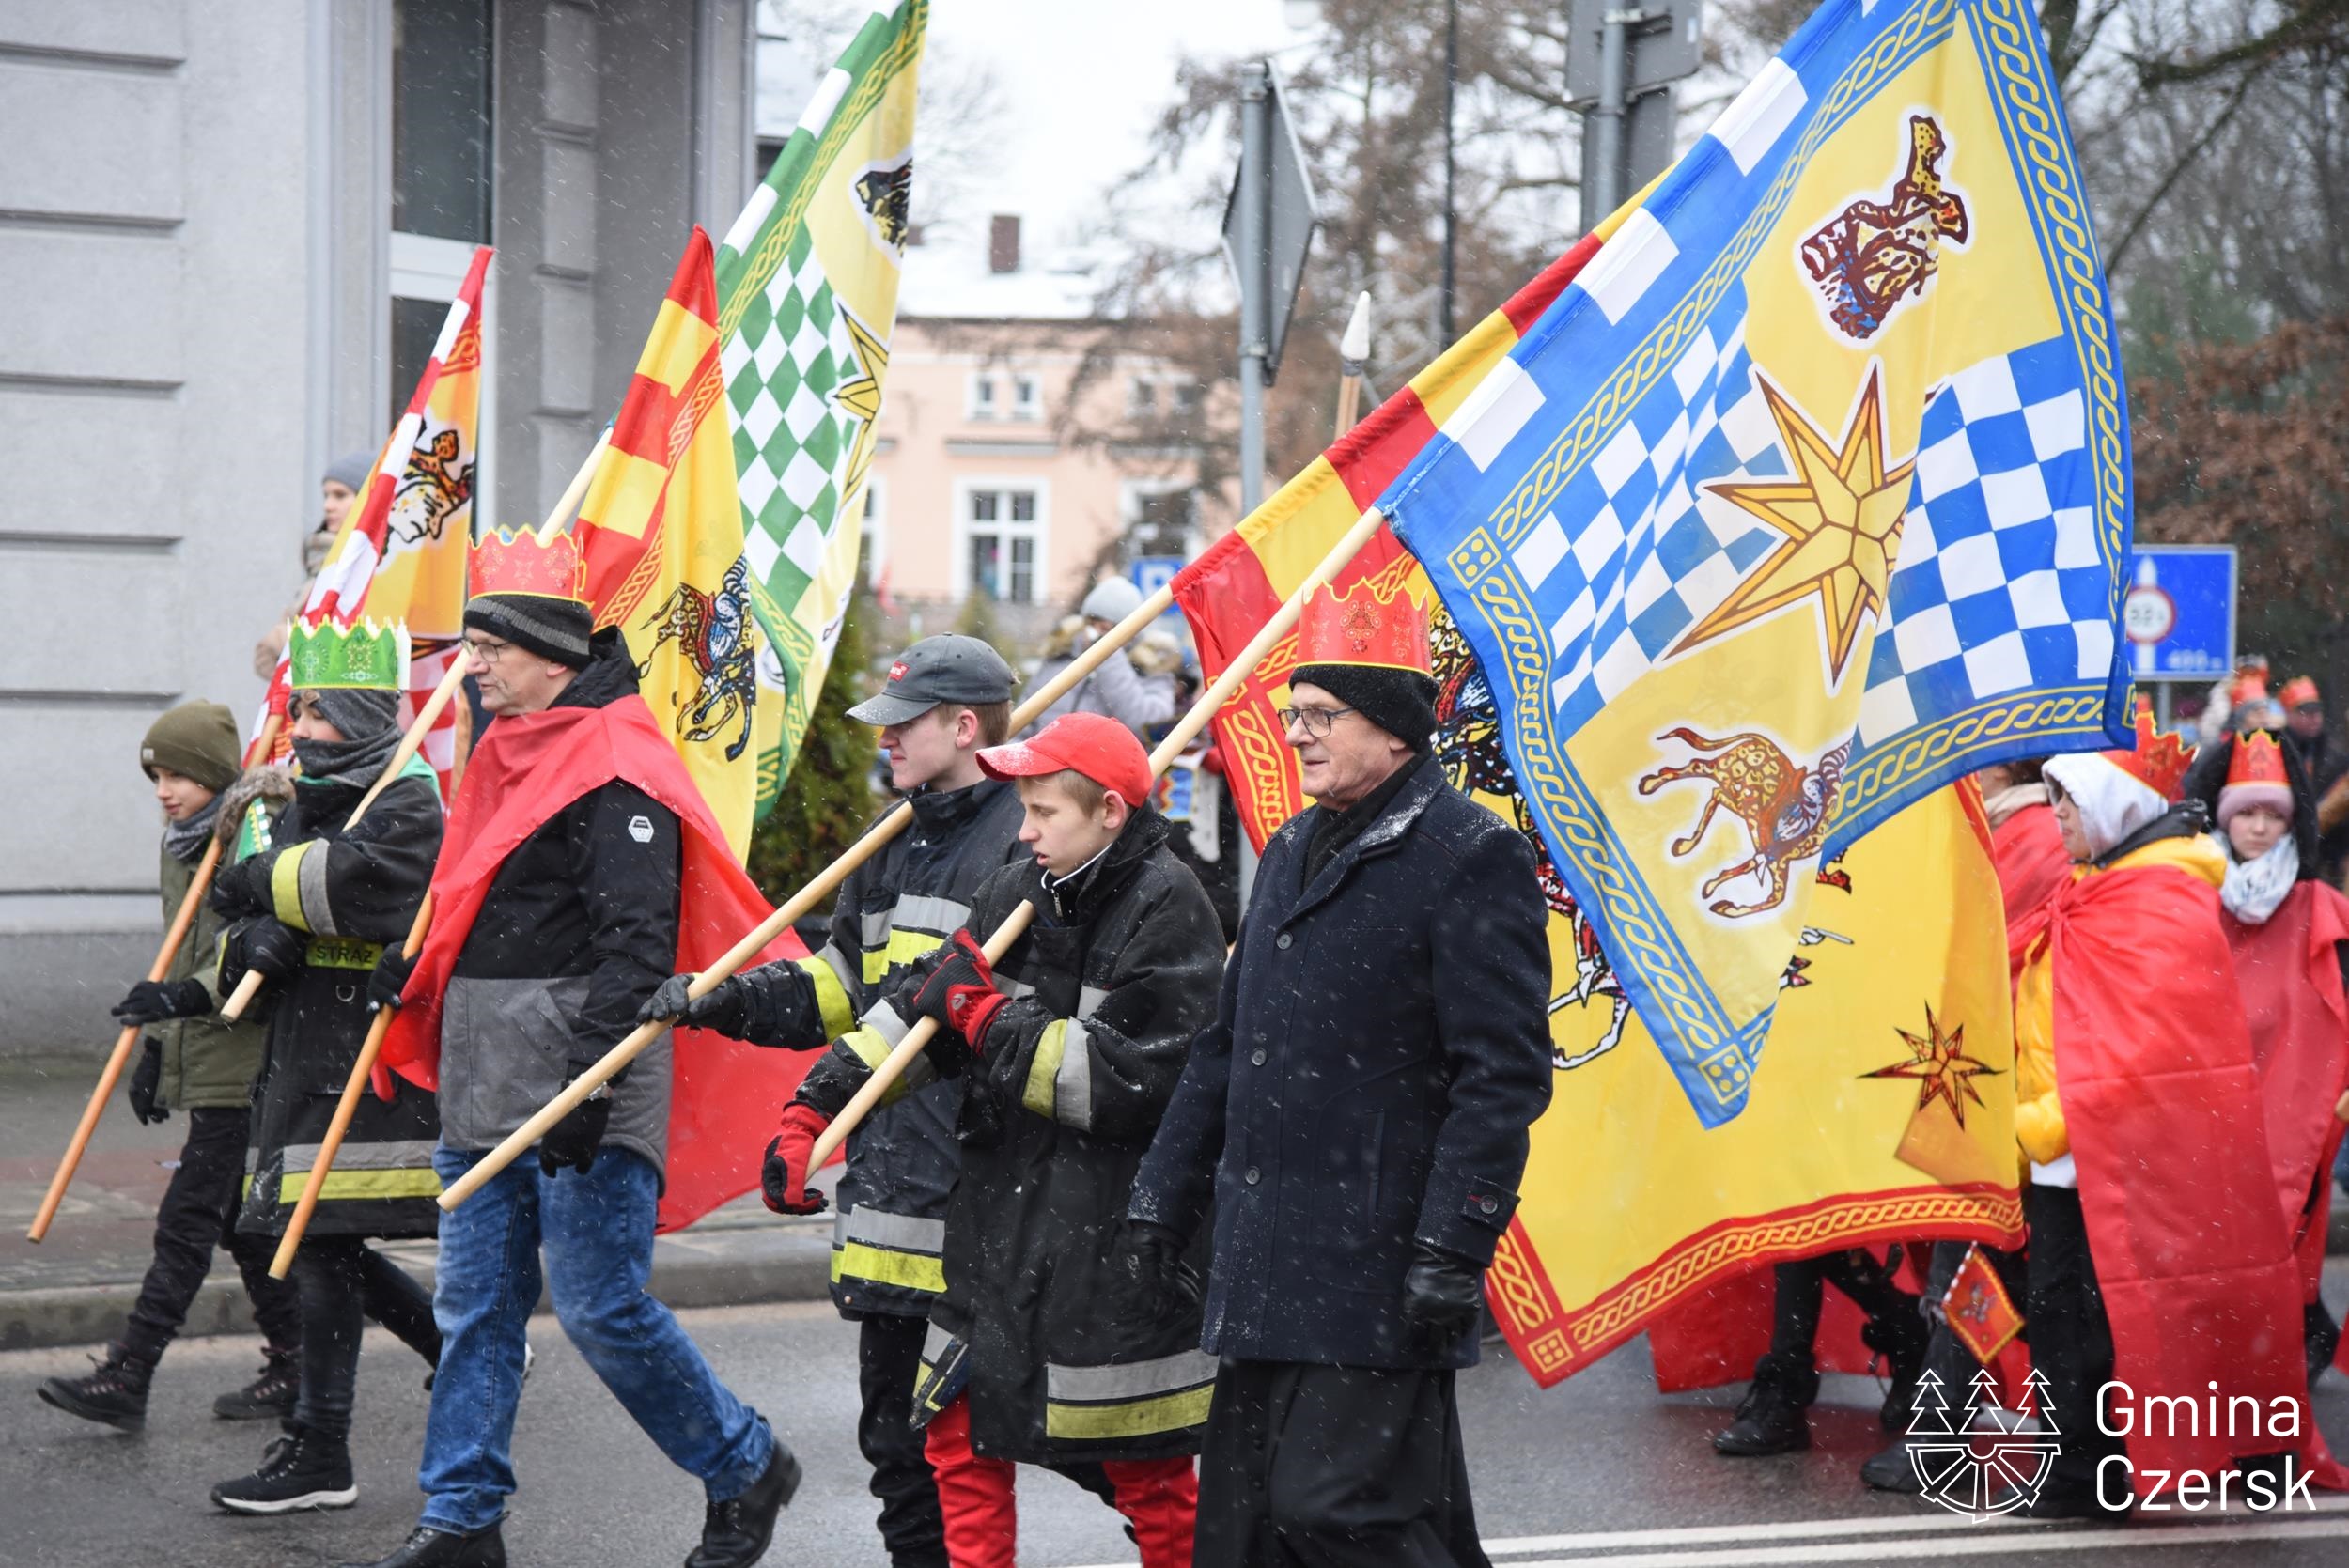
{"x":807,"y":300}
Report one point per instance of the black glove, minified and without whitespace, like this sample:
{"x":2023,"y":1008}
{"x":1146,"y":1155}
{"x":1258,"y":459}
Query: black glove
{"x":146,"y":1079}
{"x":265,"y":945}
{"x":1443,"y":1290}
{"x":1148,"y":1274}
{"x":574,"y":1139}
{"x":152,"y":1001}
{"x":726,"y":1008}
{"x":241,"y":889}
{"x":390,"y":978}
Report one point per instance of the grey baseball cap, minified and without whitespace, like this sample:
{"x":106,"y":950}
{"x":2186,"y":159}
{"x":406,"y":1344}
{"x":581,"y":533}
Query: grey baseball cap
{"x":948,"y":669}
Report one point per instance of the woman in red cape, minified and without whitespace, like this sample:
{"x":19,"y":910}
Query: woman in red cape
{"x":2289,"y":935}
{"x":2160,"y":1263}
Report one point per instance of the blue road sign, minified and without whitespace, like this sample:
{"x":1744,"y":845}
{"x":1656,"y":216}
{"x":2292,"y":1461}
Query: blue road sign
{"x":2180,"y":612}
{"x":1152,"y":572}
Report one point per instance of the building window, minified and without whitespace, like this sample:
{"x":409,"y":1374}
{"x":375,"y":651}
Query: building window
{"x":440,"y":118}
{"x":1027,"y":399}
{"x":873,"y":544}
{"x":982,"y":395}
{"x":1004,"y":544}
{"x":1162,"y":522}
{"x":1148,"y":397}
{"x":1185,"y":397}
{"x":1142,"y":397}
{"x":441,"y":172}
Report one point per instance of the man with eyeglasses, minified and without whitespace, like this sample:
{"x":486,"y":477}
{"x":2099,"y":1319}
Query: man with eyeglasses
{"x":1357,"y":1114}
{"x":555,"y":915}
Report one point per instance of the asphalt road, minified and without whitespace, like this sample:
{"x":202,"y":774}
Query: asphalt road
{"x":1598,"y":1472}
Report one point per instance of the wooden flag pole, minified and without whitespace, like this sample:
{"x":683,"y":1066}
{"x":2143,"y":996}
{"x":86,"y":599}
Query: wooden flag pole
{"x":250,"y":985}
{"x":182,"y":922}
{"x":1209,"y":704}
{"x":801,"y":904}
{"x":298,"y":1221}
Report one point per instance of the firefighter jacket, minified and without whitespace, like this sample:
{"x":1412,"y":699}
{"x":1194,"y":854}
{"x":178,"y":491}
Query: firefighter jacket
{"x":1108,"y":986}
{"x":905,"y":902}
{"x":348,"y":894}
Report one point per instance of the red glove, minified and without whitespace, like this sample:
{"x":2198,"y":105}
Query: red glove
{"x":960,"y":992}
{"x":783,"y":1180}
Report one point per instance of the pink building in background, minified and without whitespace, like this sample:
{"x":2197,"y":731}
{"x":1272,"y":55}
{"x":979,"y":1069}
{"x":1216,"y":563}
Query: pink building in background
{"x":1013,"y":458}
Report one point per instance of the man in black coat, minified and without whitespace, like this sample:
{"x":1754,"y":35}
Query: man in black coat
{"x":1356,"y":1113}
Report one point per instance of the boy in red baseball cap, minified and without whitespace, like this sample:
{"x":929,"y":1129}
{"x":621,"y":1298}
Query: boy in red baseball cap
{"x":1069,"y":1051}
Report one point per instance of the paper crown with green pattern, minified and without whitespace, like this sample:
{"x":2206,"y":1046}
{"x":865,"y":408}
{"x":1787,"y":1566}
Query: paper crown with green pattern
{"x":366,"y":657}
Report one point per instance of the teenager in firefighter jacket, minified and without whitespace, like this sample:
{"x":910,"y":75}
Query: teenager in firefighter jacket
{"x":1068,"y":1052}
{"x":555,"y":913}
{"x":945,"y":698}
{"x":313,"y":913}
{"x":1357,"y":1112}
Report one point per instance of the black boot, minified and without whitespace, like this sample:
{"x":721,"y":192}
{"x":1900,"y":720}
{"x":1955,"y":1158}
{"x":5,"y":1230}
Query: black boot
{"x":1901,"y":1339}
{"x":427,"y":1548}
{"x":115,"y":1393}
{"x":735,"y":1532}
{"x":1892,"y":1470}
{"x":268,"y":1397}
{"x":1770,"y":1417}
{"x":2322,"y":1337}
{"x":301,"y":1471}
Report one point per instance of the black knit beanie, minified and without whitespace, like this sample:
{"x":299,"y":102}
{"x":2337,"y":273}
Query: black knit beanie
{"x":556,"y":628}
{"x":1400,"y":701}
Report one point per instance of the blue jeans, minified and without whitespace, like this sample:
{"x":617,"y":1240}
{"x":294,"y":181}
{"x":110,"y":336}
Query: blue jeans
{"x":597,"y":1232}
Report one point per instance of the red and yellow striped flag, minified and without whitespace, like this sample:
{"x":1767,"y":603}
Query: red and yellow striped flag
{"x":1248,"y":574}
{"x":402,"y":549}
{"x":660,"y":533}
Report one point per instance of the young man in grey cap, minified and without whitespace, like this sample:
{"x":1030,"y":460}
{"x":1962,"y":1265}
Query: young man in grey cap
{"x":946,"y":698}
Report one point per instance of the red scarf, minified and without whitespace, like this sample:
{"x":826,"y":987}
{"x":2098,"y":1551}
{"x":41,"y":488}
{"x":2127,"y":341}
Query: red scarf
{"x":725,"y":1096}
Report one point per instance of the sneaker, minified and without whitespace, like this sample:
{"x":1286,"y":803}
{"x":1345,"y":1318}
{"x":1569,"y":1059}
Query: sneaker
{"x":268,"y":1397}
{"x":303,"y":1470}
{"x":427,"y":1548}
{"x":1771,"y":1419}
{"x":113,"y":1395}
{"x":735,"y":1532}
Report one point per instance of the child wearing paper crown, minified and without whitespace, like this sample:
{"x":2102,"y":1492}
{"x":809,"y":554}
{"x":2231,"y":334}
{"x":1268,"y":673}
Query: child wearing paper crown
{"x":1069,"y":1051}
{"x":314,"y":912}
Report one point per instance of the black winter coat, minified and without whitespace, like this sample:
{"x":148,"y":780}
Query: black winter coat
{"x":578,"y":927}
{"x":1109,"y":986}
{"x":893,"y":910}
{"x":348,"y":894}
{"x":1379,"y":1049}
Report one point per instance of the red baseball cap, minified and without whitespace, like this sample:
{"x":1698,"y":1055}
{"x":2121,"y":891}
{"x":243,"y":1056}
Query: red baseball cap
{"x":1093,"y":744}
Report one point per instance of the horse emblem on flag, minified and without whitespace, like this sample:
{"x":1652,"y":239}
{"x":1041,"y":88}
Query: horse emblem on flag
{"x":720,"y":641}
{"x":1785,"y":808}
{"x":1880,"y":253}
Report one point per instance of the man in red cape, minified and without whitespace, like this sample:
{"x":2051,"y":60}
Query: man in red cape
{"x":579,"y":867}
{"x":2161,"y":1265}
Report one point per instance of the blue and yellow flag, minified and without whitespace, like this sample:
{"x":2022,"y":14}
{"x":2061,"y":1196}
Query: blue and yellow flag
{"x":1811,"y":494}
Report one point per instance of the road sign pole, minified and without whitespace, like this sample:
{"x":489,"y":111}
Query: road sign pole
{"x":1607,"y":121}
{"x":1256,"y":285}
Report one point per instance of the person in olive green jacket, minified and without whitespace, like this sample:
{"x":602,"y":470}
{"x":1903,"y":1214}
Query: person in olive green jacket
{"x":191,"y":1060}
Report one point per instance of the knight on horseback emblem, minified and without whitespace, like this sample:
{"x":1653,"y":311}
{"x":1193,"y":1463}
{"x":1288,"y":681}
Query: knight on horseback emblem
{"x":1881,"y":251}
{"x":720,"y":640}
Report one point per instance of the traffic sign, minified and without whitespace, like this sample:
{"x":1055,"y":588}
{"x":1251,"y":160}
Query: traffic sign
{"x":1289,"y":217}
{"x":2180,"y":612}
{"x":1152,"y":572}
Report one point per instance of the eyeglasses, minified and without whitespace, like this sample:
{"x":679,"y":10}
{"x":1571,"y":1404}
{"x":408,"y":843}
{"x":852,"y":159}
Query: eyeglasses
{"x":487,"y":649}
{"x":1318,"y":721}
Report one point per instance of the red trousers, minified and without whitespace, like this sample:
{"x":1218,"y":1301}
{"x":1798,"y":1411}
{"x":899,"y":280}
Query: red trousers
{"x":1160,"y":1497}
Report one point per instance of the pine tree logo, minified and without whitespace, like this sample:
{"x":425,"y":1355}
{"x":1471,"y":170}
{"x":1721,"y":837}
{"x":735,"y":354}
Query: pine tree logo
{"x":1985,"y":1463}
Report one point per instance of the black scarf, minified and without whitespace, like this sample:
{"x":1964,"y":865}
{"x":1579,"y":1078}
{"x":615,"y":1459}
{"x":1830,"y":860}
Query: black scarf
{"x":185,"y":840}
{"x":1338,"y":829}
{"x":352,"y":763}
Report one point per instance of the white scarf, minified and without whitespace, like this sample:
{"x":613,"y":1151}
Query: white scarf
{"x":2253,"y":888}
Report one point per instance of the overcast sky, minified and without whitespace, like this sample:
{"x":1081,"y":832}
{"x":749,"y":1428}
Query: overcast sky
{"x":1082,"y":80}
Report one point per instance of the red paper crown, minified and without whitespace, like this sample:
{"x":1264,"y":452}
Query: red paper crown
{"x":1362,"y":626}
{"x":2158,"y":761}
{"x":2250,"y":688}
{"x":2258,"y":760}
{"x":526,"y":563}
{"x":2300,"y":691}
